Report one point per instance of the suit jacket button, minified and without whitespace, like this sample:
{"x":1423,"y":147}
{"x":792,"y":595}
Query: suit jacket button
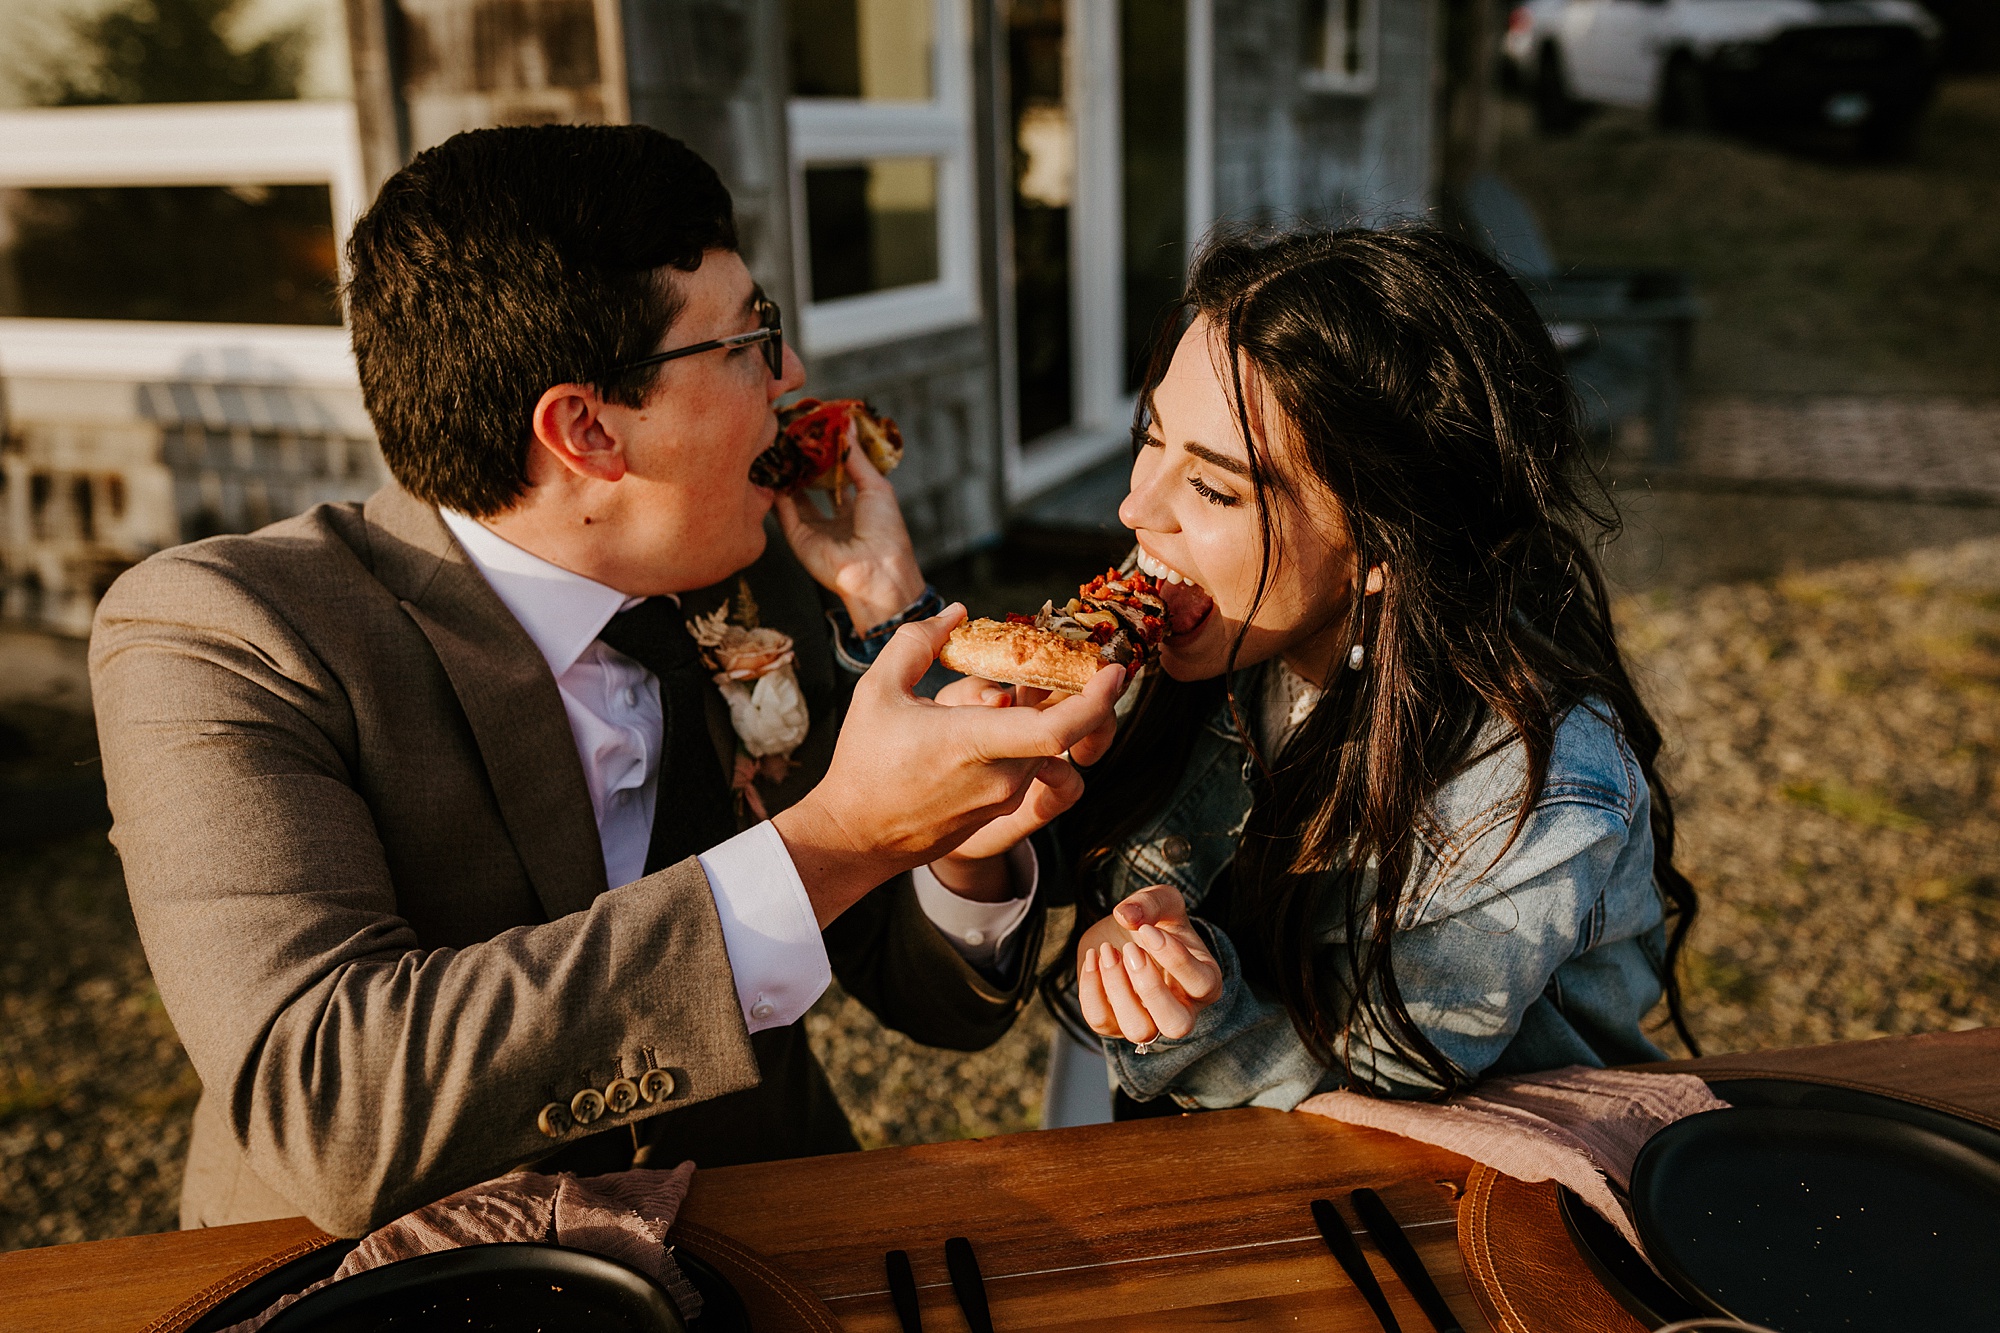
{"x":555,"y":1120}
{"x":656,"y":1085}
{"x":620,"y":1095}
{"x":1176,"y":849}
{"x":587,"y":1105}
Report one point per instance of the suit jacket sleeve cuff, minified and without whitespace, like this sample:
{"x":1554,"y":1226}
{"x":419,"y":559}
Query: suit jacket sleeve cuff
{"x":981,"y":932}
{"x":768,"y":928}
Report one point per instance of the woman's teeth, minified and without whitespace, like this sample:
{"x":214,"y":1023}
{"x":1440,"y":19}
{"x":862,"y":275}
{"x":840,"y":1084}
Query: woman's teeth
{"x":1162,"y":571}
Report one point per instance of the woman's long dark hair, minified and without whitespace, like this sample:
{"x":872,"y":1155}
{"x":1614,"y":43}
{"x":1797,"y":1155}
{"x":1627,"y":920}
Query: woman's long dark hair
{"x":1420,"y":388}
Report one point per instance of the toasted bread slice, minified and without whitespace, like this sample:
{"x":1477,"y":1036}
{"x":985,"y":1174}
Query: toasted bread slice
{"x":1017,"y":654}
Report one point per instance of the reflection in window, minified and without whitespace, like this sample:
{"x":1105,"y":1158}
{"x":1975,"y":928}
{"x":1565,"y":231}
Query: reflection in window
{"x":871,"y":226}
{"x":1345,"y":33}
{"x":877,"y":50}
{"x":82,"y":52}
{"x":1153,"y":119}
{"x":239,"y":255}
{"x":1044,"y":142}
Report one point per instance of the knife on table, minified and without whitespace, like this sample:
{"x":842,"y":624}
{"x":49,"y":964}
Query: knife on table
{"x":903,"y":1291}
{"x":1402,"y":1256}
{"x":1340,"y":1240}
{"x":967,"y":1284}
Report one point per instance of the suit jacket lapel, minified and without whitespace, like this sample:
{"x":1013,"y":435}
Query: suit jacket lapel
{"x":508,"y":695}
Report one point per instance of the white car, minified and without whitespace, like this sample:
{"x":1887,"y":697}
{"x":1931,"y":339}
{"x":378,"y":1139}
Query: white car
{"x":1862,"y":68}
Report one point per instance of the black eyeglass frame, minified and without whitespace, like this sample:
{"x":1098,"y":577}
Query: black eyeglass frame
{"x":771,"y":334}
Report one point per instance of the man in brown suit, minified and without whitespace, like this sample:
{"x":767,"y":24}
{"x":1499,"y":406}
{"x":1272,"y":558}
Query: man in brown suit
{"x":423,"y":803}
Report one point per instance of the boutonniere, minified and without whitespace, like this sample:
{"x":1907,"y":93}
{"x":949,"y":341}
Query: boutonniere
{"x":753,"y":668}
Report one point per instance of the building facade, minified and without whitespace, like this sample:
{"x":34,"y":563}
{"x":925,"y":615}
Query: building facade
{"x":974,"y":213}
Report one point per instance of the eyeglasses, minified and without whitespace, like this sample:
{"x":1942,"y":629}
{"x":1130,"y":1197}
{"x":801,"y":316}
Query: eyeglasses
{"x":770,"y":334}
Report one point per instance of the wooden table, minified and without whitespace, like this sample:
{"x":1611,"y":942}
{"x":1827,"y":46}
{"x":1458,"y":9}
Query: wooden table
{"x":1184,"y":1223}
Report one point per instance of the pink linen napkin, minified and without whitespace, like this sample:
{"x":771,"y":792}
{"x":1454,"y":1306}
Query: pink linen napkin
{"x":1579,"y":1126}
{"x":622,"y":1216}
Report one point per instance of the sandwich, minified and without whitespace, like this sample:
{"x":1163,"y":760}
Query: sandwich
{"x":810,"y":452}
{"x":1114,"y":620}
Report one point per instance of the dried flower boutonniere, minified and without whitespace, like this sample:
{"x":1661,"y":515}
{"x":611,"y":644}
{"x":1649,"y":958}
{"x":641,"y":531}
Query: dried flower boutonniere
{"x":753,"y":669}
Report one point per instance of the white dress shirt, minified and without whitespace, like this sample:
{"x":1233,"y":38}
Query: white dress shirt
{"x":613,"y":704}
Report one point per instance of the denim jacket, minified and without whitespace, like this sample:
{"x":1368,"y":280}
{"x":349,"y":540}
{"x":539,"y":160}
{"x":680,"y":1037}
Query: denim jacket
{"x":1548,"y":957}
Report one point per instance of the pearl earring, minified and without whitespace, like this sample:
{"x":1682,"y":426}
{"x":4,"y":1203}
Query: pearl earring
{"x":1354,"y":656}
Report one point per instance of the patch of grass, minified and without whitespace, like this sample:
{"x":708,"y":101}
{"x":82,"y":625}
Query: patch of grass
{"x":21,"y":1093}
{"x":1805,"y":592}
{"x":1956,"y":891}
{"x":1724,"y":978}
{"x":1868,"y":808}
{"x":1967,"y":663}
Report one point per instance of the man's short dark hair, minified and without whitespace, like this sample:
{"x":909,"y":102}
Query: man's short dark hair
{"x":504,"y":261}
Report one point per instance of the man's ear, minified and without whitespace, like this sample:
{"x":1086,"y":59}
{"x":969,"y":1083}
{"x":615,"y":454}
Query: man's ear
{"x":569,"y":423}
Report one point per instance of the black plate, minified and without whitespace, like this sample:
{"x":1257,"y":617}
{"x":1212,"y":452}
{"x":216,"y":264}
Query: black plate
{"x":521,"y":1288}
{"x":1823,"y":1210}
{"x":722,"y":1308}
{"x":1618,"y":1266}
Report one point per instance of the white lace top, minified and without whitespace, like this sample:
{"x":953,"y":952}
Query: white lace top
{"x":1288,"y":700}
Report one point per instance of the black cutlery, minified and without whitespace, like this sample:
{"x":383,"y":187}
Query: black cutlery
{"x":967,"y":1284}
{"x":1402,"y":1256}
{"x":903,"y":1291}
{"x":1340,"y":1240}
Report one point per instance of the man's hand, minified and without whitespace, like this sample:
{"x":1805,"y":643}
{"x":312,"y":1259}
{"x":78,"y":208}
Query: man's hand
{"x":977,"y":869}
{"x":912,"y":778}
{"x":862,"y":553}
{"x":1143,"y":972}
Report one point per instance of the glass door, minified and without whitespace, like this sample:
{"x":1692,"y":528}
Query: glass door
{"x":1043,"y":117}
{"x":1096,"y":125}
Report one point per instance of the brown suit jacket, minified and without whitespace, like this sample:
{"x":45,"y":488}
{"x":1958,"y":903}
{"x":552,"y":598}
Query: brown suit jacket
{"x":364,"y":865}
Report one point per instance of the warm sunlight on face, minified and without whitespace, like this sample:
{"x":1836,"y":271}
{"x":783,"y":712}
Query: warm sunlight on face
{"x":1193,"y":511}
{"x":689,"y":505}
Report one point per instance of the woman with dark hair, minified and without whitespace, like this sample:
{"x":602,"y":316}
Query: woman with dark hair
{"x":1388,"y":816}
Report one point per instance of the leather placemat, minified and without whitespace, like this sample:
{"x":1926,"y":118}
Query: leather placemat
{"x":1522,"y":1266}
{"x":189,"y":1312}
{"x":777,"y":1303}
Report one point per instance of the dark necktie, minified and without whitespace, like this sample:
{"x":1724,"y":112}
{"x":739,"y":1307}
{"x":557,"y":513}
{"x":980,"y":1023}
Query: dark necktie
{"x":692,"y":809}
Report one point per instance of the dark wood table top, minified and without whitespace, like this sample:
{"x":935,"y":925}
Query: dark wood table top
{"x":1190,"y":1222}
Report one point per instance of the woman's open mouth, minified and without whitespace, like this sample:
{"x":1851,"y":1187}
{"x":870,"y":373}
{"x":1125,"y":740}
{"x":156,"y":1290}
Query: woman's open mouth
{"x":1188,"y":603}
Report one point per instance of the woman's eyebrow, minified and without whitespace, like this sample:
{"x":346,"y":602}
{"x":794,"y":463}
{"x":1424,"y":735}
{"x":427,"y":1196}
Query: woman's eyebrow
{"x":1223,"y":461}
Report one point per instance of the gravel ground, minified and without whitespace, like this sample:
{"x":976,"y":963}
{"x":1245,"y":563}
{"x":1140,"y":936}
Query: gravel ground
{"x":1833,"y":743}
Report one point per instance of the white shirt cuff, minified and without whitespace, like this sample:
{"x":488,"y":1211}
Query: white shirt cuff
{"x":980,"y":931}
{"x":768,"y":927}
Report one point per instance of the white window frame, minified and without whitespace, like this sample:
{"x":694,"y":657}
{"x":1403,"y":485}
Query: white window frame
{"x":200,"y":143}
{"x":1361,"y":81}
{"x":830,"y":131}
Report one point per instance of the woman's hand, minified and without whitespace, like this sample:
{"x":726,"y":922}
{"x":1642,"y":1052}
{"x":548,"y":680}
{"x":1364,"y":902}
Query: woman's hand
{"x":1143,"y":972}
{"x":862,"y":552}
{"x":977,"y":869}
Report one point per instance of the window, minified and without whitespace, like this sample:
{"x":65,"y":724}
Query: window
{"x":872,"y":227}
{"x":1345,"y":39}
{"x":880,"y":123}
{"x":261,"y":254}
{"x":173,"y":164}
